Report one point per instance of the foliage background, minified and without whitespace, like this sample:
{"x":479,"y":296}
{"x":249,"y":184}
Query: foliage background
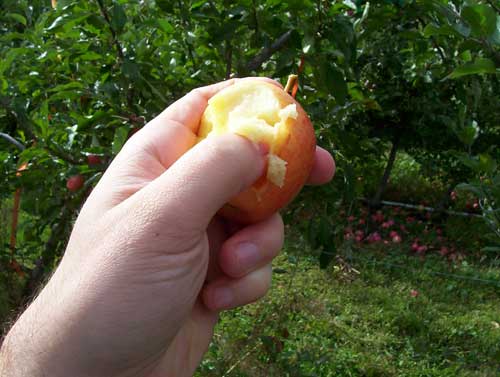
{"x":405,"y":94}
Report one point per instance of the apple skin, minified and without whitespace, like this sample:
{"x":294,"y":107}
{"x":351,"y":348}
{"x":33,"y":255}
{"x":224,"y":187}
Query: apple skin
{"x":75,"y":182}
{"x":297,"y":147}
{"x":93,"y":160}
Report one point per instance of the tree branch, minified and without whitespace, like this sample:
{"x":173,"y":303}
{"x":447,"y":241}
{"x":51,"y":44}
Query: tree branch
{"x":11,"y":140}
{"x":63,"y":155}
{"x":267,"y":52}
{"x":494,"y":6}
{"x":435,"y":44}
{"x":116,"y":42}
{"x":421,"y":208}
{"x":494,"y":53}
{"x":21,"y":123}
{"x":255,"y":18}
{"x":187,"y":26}
{"x":229,"y":58}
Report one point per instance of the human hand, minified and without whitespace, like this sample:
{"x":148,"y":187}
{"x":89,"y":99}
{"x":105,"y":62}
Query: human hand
{"x":149,"y":265}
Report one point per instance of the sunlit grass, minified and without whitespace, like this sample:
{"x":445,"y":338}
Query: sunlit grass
{"x":338,"y":322}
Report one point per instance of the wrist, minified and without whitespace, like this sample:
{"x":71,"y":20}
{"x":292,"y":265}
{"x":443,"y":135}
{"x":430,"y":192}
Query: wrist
{"x":51,"y":343}
{"x":17,"y":358}
{"x":32,"y":346}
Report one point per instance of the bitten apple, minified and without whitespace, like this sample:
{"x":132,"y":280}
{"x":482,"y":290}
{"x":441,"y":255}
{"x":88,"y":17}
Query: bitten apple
{"x":264,"y":113}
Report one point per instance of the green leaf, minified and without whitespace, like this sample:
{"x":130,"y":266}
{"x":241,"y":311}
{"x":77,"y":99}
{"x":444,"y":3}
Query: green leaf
{"x":197,"y":4}
{"x":69,"y":86}
{"x":462,"y":29}
{"x":491,"y":249}
{"x":71,"y":134}
{"x":356,"y":92}
{"x":308,"y":43}
{"x":118,"y":18}
{"x":431,"y":30}
{"x":338,"y":85}
{"x":344,"y":38}
{"x":468,"y":134}
{"x":471,"y":188}
{"x":357,"y":23}
{"x":479,"y":66}
{"x":165,"y":5}
{"x":90,"y":55}
{"x":131,"y":69}
{"x":58,"y":22}
{"x":41,"y":119}
{"x":119,"y":139}
{"x":481,"y":18}
{"x":483,"y":163}
{"x":88,"y":121}
{"x":494,"y":38}
{"x":10,"y":57}
{"x":67,"y":23}
{"x":487,"y":163}
{"x":331,"y":79}
{"x":17,"y":17}
{"x":165,"y":26}
{"x":466,"y":56}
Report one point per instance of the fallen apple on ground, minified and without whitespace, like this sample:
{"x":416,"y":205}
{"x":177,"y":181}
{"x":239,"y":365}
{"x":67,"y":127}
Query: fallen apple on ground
{"x":267,"y":114}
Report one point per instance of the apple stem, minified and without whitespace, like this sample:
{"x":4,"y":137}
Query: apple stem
{"x":292,"y":80}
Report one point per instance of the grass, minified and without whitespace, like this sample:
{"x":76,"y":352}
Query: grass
{"x":360,"y":319}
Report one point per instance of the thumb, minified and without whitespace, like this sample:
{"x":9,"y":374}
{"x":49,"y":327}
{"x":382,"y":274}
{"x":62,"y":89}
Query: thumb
{"x":201,"y":181}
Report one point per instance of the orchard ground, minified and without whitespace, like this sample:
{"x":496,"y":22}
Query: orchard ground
{"x":405,"y":293}
{"x":383,"y":312}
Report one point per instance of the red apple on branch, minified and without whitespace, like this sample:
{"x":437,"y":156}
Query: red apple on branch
{"x":75,"y":182}
{"x":93,"y":160}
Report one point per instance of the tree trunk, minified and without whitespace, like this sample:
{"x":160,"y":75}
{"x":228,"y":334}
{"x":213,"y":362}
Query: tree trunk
{"x":445,"y":201}
{"x":387,"y":173}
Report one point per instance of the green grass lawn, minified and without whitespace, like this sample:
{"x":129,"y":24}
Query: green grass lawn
{"x":361,"y":319}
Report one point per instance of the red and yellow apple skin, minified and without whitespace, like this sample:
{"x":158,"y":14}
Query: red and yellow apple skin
{"x":290,"y":138}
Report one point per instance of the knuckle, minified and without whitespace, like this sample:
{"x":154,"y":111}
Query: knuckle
{"x":230,"y":149}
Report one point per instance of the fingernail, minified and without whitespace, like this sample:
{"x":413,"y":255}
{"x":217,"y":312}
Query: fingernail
{"x":223,"y":297}
{"x":247,"y":255}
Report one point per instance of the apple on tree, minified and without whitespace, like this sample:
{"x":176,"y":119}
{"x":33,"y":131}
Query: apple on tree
{"x":93,"y":160}
{"x":75,"y":182}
